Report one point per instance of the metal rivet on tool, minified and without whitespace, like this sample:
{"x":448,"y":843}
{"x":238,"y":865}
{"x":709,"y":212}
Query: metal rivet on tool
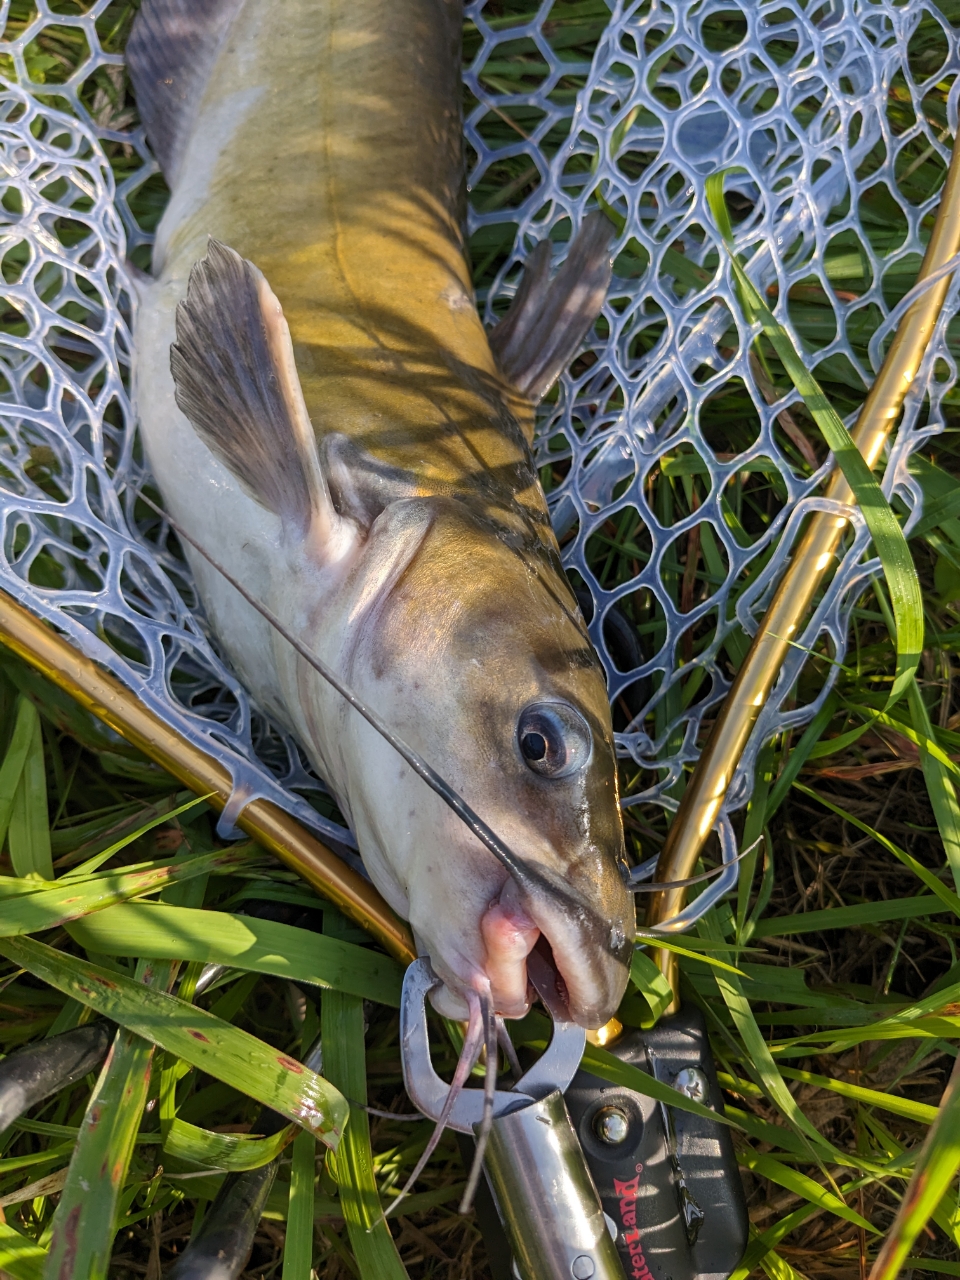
{"x":582,"y":1268}
{"x":611,"y":1125}
{"x":693,"y":1083}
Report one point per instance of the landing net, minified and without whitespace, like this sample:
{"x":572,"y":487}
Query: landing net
{"x":827,"y":114}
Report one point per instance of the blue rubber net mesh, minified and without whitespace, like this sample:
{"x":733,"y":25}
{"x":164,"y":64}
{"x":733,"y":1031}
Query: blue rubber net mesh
{"x":817,"y":111}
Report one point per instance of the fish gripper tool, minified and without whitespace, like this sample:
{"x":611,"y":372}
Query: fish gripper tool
{"x":535,"y":1168}
{"x":592,"y":1180}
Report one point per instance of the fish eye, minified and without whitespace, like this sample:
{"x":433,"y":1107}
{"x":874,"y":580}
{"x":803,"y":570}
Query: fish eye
{"x":554,"y":739}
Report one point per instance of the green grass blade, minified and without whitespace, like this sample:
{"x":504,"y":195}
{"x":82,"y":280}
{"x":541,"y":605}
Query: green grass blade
{"x":798,"y":757}
{"x":20,"y":1256}
{"x":341,"y":1027}
{"x":947,"y":1213}
{"x":663,"y":944}
{"x":910,"y":1017}
{"x":762,"y":1243}
{"x":652,"y":985}
{"x":830,"y":746}
{"x":848,"y":917}
{"x":779,"y":1137}
{"x":757,"y":1049}
{"x":14,"y":887}
{"x":230,"y":1152}
{"x":778,"y":1268}
{"x":298,"y":1242}
{"x":940,"y":785}
{"x":949,"y":899}
{"x":920,"y":741}
{"x":927,"y":1006}
{"x":757,"y":1250}
{"x":936,"y":769}
{"x":897,"y":1106}
{"x":891,"y":546}
{"x":947,"y":1217}
{"x":85,"y":1220}
{"x":932,"y":1028}
{"x":37,"y":1157}
{"x":302,"y":1198}
{"x":159,"y":819}
{"x":223,"y":1051}
{"x":242,"y":942}
{"x":786,"y":1176}
{"x":28,"y":835}
{"x":935,"y":1169}
{"x":609,"y":1067}
{"x":753,"y":836}
{"x":13,"y":762}
{"x":48,"y":908}
{"x":941,"y":495}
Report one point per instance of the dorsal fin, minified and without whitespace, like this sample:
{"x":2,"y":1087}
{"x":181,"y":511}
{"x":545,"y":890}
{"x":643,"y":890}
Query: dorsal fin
{"x":236,"y":381}
{"x":550,"y":318}
{"x":171,"y":49}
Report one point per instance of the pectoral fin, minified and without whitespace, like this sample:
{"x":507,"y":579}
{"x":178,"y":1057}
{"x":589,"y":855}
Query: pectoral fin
{"x":237,"y":383}
{"x":549,"y":319}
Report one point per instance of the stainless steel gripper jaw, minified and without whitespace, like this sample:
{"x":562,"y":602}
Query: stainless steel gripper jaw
{"x":542,"y":1187}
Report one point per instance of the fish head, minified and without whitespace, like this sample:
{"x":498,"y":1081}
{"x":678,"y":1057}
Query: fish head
{"x":475,"y":652}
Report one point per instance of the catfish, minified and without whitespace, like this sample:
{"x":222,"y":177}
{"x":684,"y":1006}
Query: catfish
{"x":325,"y":413}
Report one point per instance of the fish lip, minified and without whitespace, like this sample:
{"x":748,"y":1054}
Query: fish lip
{"x":588,"y":943}
{"x":582,"y":1010}
{"x":590,"y":1017}
{"x":592,"y":997}
{"x":545,"y":951}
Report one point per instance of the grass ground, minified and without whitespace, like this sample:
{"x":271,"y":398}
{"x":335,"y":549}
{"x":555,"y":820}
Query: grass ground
{"x":834,"y":1046}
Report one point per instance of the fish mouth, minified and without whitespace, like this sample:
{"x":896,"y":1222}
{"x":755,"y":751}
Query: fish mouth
{"x":591,"y":960}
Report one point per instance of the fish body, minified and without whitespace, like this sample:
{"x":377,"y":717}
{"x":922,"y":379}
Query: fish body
{"x":323,"y":411}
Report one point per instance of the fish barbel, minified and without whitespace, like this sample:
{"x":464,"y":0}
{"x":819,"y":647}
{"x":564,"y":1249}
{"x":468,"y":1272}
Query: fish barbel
{"x":323,"y":410}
